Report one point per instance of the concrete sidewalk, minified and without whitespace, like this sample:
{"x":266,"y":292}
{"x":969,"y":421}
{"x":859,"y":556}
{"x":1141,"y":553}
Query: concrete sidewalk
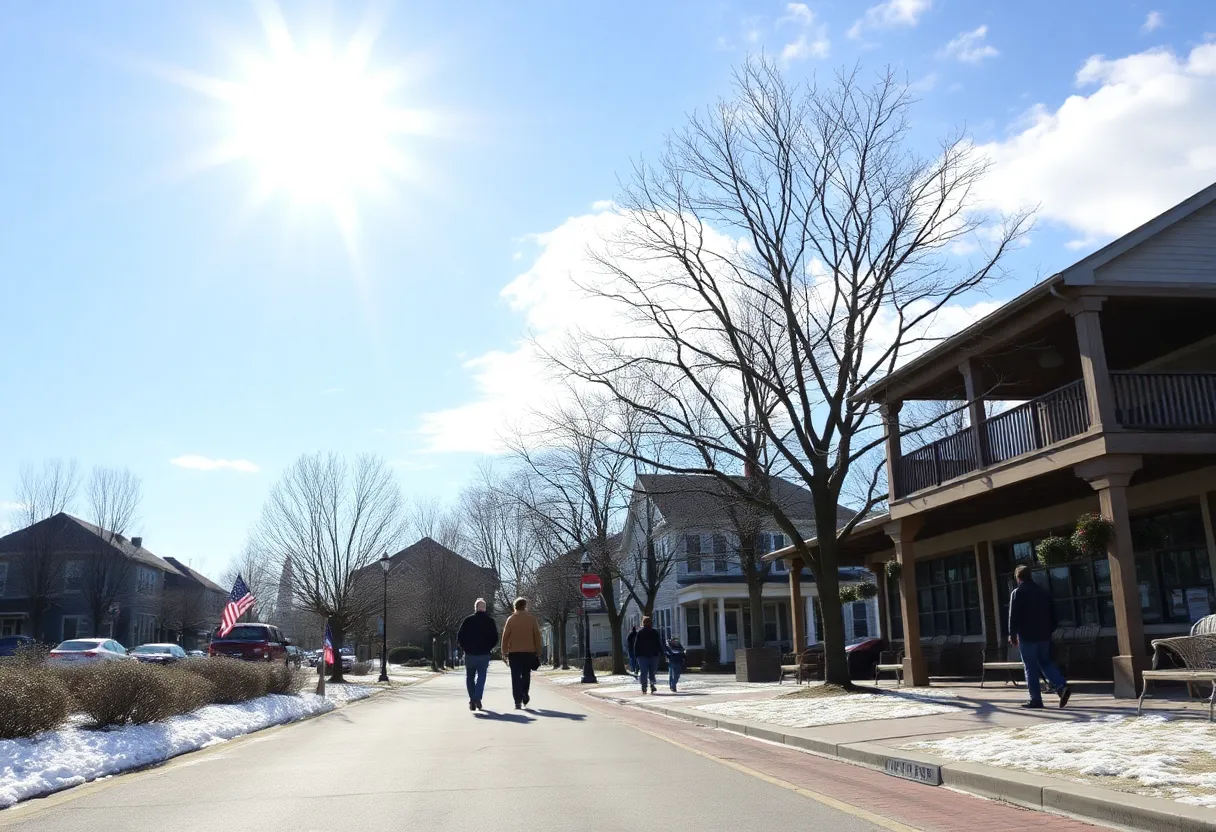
{"x":881,"y":744}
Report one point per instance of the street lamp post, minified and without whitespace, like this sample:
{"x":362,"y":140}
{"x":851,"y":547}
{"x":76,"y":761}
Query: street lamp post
{"x":385,"y":565}
{"x":588,"y":664}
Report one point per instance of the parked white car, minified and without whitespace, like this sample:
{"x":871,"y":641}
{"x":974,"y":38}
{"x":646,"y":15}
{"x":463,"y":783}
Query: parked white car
{"x":81,"y":650}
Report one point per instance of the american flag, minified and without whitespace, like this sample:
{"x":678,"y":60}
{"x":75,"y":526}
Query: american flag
{"x":239,"y":601}
{"x":328,"y":644}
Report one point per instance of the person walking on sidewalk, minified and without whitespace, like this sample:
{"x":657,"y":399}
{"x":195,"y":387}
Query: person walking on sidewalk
{"x":648,"y":647}
{"x":675,"y":661}
{"x":521,"y":643}
{"x":477,"y":637}
{"x":1030,"y":626}
{"x":631,"y":647}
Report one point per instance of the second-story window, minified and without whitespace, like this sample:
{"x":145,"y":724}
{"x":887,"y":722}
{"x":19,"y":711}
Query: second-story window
{"x":721,"y":553}
{"x":73,"y":576}
{"x":692,"y":551}
{"x":145,"y":580}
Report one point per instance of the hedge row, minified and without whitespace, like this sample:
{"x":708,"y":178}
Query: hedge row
{"x":39,"y":698}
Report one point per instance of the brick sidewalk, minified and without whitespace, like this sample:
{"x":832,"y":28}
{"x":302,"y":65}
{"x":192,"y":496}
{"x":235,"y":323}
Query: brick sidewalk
{"x":933,"y":809}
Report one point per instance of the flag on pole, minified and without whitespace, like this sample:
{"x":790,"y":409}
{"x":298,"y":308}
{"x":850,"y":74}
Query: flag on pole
{"x":239,"y":601}
{"x":328,"y":644}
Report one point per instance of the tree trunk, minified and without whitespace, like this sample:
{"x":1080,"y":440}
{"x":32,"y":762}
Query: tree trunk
{"x":836,"y":665}
{"x":565,"y":646}
{"x":339,"y":635}
{"x":755,"y":600}
{"x":615,"y":618}
{"x":37,"y":611}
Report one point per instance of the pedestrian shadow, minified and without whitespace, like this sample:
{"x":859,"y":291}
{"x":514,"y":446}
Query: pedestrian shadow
{"x":559,"y":714}
{"x":503,"y":717}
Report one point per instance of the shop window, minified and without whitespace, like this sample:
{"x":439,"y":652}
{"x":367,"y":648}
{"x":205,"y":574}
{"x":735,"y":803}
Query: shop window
{"x":949,"y":596}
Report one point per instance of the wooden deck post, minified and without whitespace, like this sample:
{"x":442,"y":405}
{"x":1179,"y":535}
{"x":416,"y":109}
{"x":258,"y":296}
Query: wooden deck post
{"x":797,"y":608}
{"x":902,"y":533}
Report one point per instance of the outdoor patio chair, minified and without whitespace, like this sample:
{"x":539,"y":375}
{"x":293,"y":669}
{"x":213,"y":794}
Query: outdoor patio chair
{"x":810,"y":666}
{"x":1205,"y":626}
{"x":1195,"y":657}
{"x":994,"y":662}
{"x":1081,"y":648}
{"x":932,"y":650}
{"x":890,"y":661}
{"x":952,"y":653}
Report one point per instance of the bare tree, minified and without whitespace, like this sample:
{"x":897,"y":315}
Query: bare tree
{"x":501,"y":532}
{"x":43,"y":493}
{"x":555,"y":592}
{"x":265,"y":575}
{"x":787,"y":251}
{"x":333,"y":520}
{"x":184,"y":609}
{"x":108,"y":574}
{"x":428,"y":517}
{"x":444,"y":586}
{"x":647,"y":563}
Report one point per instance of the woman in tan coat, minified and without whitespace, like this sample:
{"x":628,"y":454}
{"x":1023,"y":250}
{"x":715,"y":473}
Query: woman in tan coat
{"x":521,"y":649}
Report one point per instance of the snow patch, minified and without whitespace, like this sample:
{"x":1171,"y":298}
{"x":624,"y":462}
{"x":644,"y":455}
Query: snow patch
{"x":70,"y":756}
{"x":1158,"y":756}
{"x":833,"y":710}
{"x":347,"y":692}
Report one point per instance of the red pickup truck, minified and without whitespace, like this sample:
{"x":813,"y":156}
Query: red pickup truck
{"x":251,"y":643}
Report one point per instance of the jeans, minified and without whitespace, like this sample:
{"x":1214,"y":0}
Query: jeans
{"x":674,"y":669}
{"x":1036,"y":659}
{"x":633,"y":663}
{"x":521,"y":674}
{"x":648,"y":666}
{"x":475,"y":668}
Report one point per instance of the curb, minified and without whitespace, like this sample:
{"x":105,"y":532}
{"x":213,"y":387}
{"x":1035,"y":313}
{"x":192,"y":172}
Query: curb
{"x":1025,"y":789}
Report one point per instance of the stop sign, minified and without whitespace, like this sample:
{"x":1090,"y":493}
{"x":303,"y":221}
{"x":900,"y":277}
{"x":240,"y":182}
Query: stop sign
{"x":590,"y":585}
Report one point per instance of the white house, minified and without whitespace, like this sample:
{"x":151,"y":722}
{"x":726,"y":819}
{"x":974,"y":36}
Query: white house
{"x":703,"y":598}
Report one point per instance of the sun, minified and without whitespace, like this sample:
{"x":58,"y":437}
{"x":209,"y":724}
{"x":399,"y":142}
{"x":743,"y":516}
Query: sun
{"x":316,"y":123}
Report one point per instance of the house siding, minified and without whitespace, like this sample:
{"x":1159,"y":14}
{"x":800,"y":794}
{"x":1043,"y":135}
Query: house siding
{"x":1183,"y":252}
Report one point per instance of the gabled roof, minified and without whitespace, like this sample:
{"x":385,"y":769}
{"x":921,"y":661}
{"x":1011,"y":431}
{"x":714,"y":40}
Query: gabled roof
{"x":429,"y":547}
{"x":82,"y":528}
{"x":137,"y":553}
{"x":702,"y":500}
{"x":197,"y":577}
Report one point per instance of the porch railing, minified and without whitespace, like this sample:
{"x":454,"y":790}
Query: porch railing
{"x":1029,"y":427}
{"x":1165,"y":401}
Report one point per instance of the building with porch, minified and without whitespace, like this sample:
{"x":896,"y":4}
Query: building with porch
{"x":693,"y":522}
{"x":1092,"y":392}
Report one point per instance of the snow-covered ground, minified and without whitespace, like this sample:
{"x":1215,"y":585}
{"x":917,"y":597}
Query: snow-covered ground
{"x":604,"y":679}
{"x":348,"y":692}
{"x":70,"y":756}
{"x":831,"y":710}
{"x":1151,"y":755}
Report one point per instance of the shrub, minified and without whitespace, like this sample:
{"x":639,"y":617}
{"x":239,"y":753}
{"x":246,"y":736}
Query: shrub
{"x":121,"y":693}
{"x":406,"y":653}
{"x":191,"y":690}
{"x":360,"y":668}
{"x":417,"y":663}
{"x":867,"y":590}
{"x":894,"y":569}
{"x":1054,"y":551}
{"x":284,"y":680}
{"x":31,"y":655}
{"x":233,"y":680}
{"x":849,"y":593}
{"x":32,"y":700}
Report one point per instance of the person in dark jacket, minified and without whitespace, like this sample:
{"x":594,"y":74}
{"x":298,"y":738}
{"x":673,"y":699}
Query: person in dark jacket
{"x":631,"y":648}
{"x":477,"y":637}
{"x":1030,"y":624}
{"x":675,"y":661}
{"x":648,"y":647}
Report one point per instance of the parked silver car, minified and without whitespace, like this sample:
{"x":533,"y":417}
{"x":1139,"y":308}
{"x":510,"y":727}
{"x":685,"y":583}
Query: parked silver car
{"x":85,"y":650}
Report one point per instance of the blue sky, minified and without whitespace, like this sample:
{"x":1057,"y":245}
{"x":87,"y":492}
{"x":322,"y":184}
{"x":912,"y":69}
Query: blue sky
{"x":157,"y":307}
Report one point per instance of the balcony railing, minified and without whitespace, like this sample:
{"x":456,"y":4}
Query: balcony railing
{"x":1029,"y":427}
{"x":1165,"y":401}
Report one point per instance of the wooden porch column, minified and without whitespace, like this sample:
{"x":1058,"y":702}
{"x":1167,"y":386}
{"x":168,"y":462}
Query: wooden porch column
{"x":722,"y":632}
{"x":880,"y":579}
{"x":890,"y":422}
{"x":1109,"y":476}
{"x":985,"y":573}
{"x":903,"y":532}
{"x":1099,"y":392}
{"x":797,"y":623}
{"x":1207,"y":505}
{"x":975,"y":412}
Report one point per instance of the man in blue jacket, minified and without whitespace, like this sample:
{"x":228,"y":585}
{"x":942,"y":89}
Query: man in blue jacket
{"x":477,"y":637}
{"x":1030,"y":625}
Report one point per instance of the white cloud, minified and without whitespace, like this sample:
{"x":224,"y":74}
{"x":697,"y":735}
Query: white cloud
{"x":799,"y":13}
{"x":1153,"y":22}
{"x":891,"y":14}
{"x":1140,"y":138}
{"x":202,"y":463}
{"x":804,"y":47}
{"x":331,"y":391}
{"x":11,"y":506}
{"x":970,"y":47}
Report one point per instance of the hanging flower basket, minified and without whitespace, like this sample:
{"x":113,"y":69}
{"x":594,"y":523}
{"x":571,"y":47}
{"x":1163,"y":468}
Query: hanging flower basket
{"x":849,"y":594}
{"x":894,"y":570}
{"x":1055,"y":551}
{"x":1093,"y":534}
{"x":867,"y":590}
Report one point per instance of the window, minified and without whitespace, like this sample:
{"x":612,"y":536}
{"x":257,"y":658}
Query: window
{"x":10,"y":626}
{"x":772,"y":624}
{"x":75,"y":626}
{"x":692,"y":552}
{"x":692,"y":622}
{"x":861,"y":619}
{"x":146,"y":580}
{"x":721,"y":552}
{"x":3,"y":577}
{"x":73,"y":576}
{"x":895,"y":610}
{"x":949,"y":596}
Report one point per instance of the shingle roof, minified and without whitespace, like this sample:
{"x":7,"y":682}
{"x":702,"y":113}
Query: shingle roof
{"x":686,"y":500}
{"x":138,"y":553}
{"x":198,"y":577}
{"x":429,"y":547}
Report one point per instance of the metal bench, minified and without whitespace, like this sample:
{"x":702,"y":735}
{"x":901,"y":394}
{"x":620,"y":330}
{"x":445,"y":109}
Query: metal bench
{"x":809,"y":665}
{"x":1011,"y":664}
{"x":1196,"y":657}
{"x":890,"y":661}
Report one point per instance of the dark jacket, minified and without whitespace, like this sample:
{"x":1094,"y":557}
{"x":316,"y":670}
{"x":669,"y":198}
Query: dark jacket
{"x":478,"y":634}
{"x":649,"y":644}
{"x":675,"y":653}
{"x":1031,"y":615}
{"x":631,"y":641}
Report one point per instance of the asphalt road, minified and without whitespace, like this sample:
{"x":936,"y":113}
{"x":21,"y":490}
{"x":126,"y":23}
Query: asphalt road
{"x":416,"y":758}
